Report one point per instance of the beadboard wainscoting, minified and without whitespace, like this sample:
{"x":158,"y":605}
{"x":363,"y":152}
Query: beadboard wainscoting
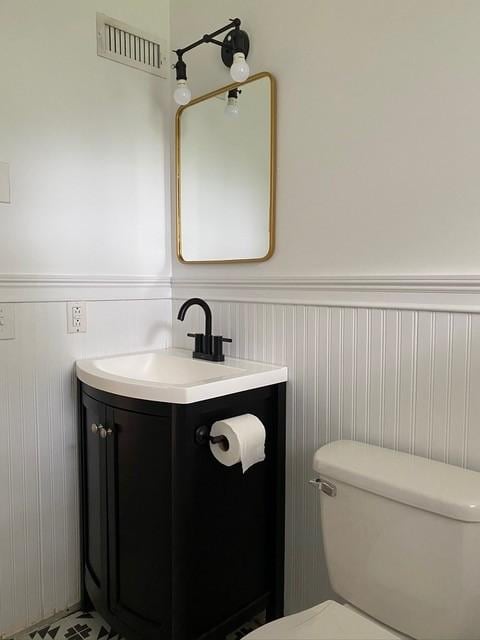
{"x":404,"y":377}
{"x":407,"y":379}
{"x":39,"y":528}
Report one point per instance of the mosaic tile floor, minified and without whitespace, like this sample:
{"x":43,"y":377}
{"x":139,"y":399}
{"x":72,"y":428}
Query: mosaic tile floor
{"x":90,"y":626}
{"x":77,"y":626}
{"x":246,"y":628}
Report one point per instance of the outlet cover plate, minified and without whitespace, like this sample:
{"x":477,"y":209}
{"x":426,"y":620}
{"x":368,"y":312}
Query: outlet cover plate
{"x":76,"y":317}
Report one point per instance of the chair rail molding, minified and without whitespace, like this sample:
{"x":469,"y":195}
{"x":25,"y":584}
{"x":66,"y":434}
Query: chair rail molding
{"x":454,"y":293}
{"x":25,"y":287}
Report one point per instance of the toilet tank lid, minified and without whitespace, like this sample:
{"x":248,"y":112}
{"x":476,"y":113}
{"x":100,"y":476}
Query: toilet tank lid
{"x":426,"y":484}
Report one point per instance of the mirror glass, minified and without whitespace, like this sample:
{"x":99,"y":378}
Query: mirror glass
{"x":225,"y":145}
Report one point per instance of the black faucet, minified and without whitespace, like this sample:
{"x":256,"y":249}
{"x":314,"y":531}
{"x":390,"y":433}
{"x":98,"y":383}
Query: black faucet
{"x":207,"y":347}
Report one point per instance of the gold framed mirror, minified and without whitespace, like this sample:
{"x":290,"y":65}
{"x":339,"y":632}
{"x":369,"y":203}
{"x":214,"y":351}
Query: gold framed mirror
{"x":225,"y":143}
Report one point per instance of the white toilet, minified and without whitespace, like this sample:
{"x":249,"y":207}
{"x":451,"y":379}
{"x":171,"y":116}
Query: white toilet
{"x":402,"y":543}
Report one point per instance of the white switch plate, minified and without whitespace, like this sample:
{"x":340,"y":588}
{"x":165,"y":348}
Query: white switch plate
{"x":76,"y":317}
{"x":7,"y":321}
{"x":5,"y":182}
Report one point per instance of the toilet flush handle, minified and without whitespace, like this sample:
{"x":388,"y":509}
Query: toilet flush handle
{"x":324,"y":486}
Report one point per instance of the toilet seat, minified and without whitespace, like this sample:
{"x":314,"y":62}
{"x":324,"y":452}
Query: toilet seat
{"x":326,"y":621}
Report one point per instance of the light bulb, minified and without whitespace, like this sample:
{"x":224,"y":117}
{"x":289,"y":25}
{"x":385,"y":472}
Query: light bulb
{"x":231,"y":108}
{"x":239,"y":69}
{"x":182,"y":94}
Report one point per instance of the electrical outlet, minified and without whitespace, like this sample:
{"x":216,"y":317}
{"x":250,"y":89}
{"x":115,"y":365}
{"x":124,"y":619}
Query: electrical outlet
{"x":7,"y":321}
{"x":76,"y":317}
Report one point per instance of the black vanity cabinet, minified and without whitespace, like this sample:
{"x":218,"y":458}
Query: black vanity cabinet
{"x":176,"y":546}
{"x":127,"y":496}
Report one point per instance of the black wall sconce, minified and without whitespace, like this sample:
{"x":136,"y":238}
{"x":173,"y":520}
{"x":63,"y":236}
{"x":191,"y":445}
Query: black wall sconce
{"x":234,"y":51}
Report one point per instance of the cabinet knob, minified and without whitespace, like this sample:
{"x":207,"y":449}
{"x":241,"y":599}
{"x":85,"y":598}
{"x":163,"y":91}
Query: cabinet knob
{"x":105,"y":432}
{"x":94,"y":428}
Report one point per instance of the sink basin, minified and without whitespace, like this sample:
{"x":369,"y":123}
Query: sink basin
{"x":172,"y":375}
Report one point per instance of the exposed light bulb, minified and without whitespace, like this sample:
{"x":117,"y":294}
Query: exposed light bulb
{"x":182,"y":94}
{"x":239,"y":69}
{"x":231,"y":109}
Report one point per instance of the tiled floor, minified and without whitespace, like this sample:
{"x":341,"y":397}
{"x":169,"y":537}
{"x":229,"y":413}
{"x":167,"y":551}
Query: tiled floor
{"x":246,"y":628}
{"x":90,"y":626}
{"x":77,"y":626}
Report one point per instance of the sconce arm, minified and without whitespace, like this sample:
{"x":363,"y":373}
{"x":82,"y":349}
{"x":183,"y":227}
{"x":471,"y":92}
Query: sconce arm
{"x":209,"y":38}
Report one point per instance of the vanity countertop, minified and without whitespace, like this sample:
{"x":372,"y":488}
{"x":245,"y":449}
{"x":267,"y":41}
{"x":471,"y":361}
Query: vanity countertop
{"x":172,"y":375}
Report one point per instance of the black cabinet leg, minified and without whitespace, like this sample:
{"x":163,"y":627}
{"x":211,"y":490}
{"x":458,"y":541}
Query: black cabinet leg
{"x":85,"y":602}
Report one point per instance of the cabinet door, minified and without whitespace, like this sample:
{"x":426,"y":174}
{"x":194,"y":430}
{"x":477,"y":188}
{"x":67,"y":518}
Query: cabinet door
{"x":139,"y":521}
{"x":94,"y":501}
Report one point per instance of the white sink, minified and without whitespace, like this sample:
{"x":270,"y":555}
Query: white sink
{"x":172,"y":375}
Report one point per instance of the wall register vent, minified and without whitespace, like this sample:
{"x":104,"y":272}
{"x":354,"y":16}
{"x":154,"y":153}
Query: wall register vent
{"x":119,"y":42}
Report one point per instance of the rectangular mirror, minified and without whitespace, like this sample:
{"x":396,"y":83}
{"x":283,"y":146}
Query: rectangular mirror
{"x":225,"y":162}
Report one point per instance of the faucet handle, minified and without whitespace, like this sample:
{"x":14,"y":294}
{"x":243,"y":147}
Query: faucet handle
{"x":218,"y":347}
{"x":198,"y":341}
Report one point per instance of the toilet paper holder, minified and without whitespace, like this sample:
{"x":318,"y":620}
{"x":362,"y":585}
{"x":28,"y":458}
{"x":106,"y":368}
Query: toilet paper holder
{"x":202,"y":436}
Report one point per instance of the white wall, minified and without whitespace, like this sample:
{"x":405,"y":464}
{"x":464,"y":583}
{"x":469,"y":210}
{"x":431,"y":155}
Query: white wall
{"x":403,"y":379}
{"x":378,"y":136}
{"x":377,"y":175}
{"x":378,"y":156}
{"x":39,"y":527}
{"x":87,"y":140}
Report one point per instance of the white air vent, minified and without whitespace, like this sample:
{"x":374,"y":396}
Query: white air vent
{"x":119,"y":42}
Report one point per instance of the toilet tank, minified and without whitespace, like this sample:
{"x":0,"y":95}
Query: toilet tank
{"x":402,"y":538}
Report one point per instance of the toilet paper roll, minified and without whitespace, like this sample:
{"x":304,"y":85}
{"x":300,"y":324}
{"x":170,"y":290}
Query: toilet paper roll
{"x":246,"y":441}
